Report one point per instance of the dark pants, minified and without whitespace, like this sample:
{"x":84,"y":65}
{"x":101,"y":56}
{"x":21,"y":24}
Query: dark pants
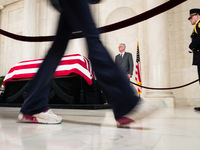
{"x":109,"y":77}
{"x":198,"y":70}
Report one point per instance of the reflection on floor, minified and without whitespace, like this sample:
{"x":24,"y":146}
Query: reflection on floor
{"x":167,"y":129}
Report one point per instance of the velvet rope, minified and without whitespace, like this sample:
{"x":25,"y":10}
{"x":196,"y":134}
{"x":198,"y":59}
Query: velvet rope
{"x":150,"y":88}
{"x":171,"y":88}
{"x":112,"y":27}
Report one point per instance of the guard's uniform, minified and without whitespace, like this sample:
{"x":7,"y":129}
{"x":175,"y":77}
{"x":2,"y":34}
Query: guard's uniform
{"x":195,"y":44}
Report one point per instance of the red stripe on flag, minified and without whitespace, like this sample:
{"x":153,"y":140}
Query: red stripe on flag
{"x":75,"y":64}
{"x":137,"y":71}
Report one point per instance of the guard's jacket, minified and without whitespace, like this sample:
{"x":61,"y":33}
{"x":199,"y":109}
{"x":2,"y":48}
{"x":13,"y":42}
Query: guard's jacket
{"x":195,"y":44}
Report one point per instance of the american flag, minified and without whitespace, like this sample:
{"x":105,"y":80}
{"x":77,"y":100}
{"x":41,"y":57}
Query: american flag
{"x":138,"y":70}
{"x":69,"y":64}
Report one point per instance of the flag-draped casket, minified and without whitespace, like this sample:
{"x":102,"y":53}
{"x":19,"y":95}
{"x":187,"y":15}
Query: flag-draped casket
{"x":74,"y":82}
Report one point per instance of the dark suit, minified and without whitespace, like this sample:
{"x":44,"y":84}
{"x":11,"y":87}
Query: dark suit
{"x":195,"y":46}
{"x":126,"y":63}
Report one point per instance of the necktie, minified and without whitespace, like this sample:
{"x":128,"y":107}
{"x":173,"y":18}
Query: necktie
{"x":120,"y":56}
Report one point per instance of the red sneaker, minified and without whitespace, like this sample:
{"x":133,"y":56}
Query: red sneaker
{"x":142,"y":110}
{"x":46,"y":117}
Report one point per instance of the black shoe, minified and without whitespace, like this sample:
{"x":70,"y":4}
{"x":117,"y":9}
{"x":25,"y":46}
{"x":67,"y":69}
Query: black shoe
{"x":197,"y":108}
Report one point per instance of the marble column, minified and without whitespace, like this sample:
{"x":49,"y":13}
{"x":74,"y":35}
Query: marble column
{"x":158,"y":52}
{"x":29,"y":28}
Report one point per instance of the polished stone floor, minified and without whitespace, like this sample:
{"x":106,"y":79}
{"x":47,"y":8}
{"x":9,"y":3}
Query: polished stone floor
{"x":167,"y":129}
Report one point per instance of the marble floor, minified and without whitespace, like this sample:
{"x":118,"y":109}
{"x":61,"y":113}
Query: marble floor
{"x":167,"y":129}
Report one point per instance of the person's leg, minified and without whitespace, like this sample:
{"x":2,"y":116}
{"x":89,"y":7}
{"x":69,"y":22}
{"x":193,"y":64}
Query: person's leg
{"x":110,"y":78}
{"x":37,"y":100}
{"x":198,"y":71}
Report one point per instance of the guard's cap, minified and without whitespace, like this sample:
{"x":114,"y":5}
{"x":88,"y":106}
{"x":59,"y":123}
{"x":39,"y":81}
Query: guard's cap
{"x":193,"y":12}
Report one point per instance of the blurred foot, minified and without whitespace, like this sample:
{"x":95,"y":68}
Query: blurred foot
{"x":197,"y":108}
{"x":142,"y":110}
{"x":46,"y":117}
